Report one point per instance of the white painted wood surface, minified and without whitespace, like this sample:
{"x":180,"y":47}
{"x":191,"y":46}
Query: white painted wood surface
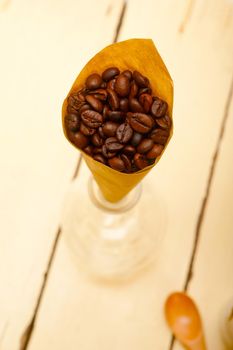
{"x":43,"y":45}
{"x":196,"y":42}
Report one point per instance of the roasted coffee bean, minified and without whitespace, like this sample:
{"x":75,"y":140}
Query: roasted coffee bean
{"x":100,"y":132}
{"x":127,"y":162}
{"x":155,"y":151}
{"x":99,"y":158}
{"x":113,"y":99}
{"x":72,"y":122}
{"x":141,"y":122}
{"x":92,"y":119}
{"x":107,"y":153}
{"x":116,"y":116}
{"x":164,"y":122}
{"x":129,"y":150}
{"x":84,"y":108}
{"x":75,"y":102}
{"x":146,"y":102}
{"x":133,"y":90}
{"x":122,"y":85}
{"x":94,"y":81}
{"x":106,"y":110}
{"x":127,"y":73}
{"x":140,"y":79}
{"x":140,"y":161}
{"x":124,"y":104}
{"x":145,"y":146}
{"x":95,"y":103}
{"x":97,"y":150}
{"x":88,"y":150}
{"x":111,"y":84}
{"x":110,"y":128}
{"x":159,"y":108}
{"x":146,"y":90}
{"x":135,"y":105}
{"x":113,"y":145}
{"x":159,"y":136}
{"x":110,"y":73}
{"x":124,"y":133}
{"x":103,"y":85}
{"x":116,"y":163}
{"x":101,"y":94}
{"x":97,"y":140}
{"x":136,"y":139}
{"x":80,"y":140}
{"x":72,"y":110}
{"x":86,"y":130}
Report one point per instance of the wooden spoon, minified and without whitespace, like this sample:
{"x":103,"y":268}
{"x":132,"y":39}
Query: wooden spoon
{"x":184,"y":319}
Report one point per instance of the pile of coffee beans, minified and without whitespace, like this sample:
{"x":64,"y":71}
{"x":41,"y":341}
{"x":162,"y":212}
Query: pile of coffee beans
{"x":116,"y":120}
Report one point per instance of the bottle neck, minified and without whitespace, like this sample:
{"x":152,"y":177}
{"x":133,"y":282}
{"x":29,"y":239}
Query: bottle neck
{"x":125,"y":204}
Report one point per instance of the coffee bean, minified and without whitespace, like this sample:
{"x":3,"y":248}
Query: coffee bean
{"x":140,"y":79}
{"x":84,"y":108}
{"x":107,"y":153}
{"x":97,"y":150}
{"x":106,"y":110}
{"x":136,"y":139}
{"x":159,"y":136}
{"x":110,"y":73}
{"x":72,"y":122}
{"x":111,"y":84}
{"x":110,"y":128}
{"x":164,"y":122}
{"x":159,"y":108}
{"x":127,"y":73}
{"x":93,"y":81}
{"x":99,"y":158}
{"x":116,"y":163}
{"x":113,"y":99}
{"x":146,"y":101}
{"x":100,"y":94}
{"x":133,"y":90}
{"x":97,"y":140}
{"x":129,"y":150}
{"x":103,"y":85}
{"x":113,"y":145}
{"x":146,"y":90}
{"x":124,"y":104}
{"x":116,"y":116}
{"x":127,"y":162}
{"x":100,"y":132}
{"x":124,"y":133}
{"x":92,"y":119}
{"x":86,"y":130}
{"x":135,"y":105}
{"x":155,"y":151}
{"x":140,"y":161}
{"x":95,"y":103}
{"x":145,"y":146}
{"x":72,"y":110}
{"x":141,"y":122}
{"x":80,"y":140}
{"x":75,"y":102}
{"x":122,"y":85}
{"x":88,"y":150}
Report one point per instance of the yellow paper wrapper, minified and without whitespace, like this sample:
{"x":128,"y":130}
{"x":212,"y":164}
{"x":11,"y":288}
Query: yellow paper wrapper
{"x":133,"y":54}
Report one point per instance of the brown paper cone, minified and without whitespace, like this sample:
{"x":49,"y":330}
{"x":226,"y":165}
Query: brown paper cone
{"x":133,"y":54}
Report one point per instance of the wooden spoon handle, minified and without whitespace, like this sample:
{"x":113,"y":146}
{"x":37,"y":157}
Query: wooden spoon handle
{"x":198,"y":344}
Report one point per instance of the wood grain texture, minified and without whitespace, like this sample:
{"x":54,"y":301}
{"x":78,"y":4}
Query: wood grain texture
{"x":43,"y":46}
{"x":92,"y":316}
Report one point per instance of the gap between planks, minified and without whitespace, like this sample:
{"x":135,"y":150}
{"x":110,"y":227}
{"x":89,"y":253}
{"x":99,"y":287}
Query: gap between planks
{"x":204,"y":203}
{"x":27,"y":333}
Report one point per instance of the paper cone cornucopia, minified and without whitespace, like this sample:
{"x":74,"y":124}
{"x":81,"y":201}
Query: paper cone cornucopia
{"x":133,"y":54}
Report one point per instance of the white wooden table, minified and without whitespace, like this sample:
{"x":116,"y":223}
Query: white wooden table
{"x":45,"y":303}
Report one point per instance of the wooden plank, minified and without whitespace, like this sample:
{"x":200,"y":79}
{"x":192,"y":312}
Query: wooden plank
{"x":43,"y":46}
{"x":212,"y":283}
{"x":77,"y":313}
